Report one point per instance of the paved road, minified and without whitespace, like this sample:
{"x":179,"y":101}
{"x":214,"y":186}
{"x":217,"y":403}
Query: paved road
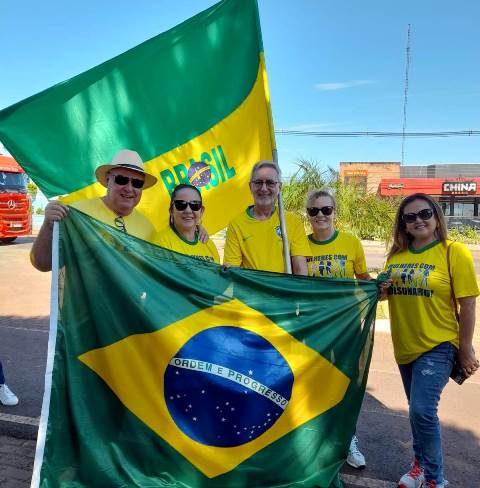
{"x":383,"y":427}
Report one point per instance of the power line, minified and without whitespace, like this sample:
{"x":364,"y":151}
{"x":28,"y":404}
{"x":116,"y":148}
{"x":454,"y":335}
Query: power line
{"x":403,"y":134}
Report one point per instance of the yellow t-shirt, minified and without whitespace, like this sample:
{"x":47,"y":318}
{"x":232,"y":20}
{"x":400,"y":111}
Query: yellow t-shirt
{"x":341,"y":256}
{"x":135,"y":224}
{"x":257,"y":244}
{"x":420,"y":299}
{"x":171,"y":239}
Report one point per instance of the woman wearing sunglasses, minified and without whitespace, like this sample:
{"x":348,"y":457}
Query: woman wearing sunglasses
{"x":182,"y":235}
{"x":334,"y":254}
{"x":429,"y":274}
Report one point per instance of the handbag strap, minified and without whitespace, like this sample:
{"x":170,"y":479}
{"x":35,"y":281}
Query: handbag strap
{"x":454,"y":299}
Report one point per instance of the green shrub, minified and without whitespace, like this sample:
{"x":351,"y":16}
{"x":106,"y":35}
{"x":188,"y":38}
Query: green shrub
{"x":468,"y":235}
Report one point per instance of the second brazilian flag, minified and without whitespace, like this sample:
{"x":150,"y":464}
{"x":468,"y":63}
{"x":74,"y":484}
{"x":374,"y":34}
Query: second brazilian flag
{"x":193,"y":102}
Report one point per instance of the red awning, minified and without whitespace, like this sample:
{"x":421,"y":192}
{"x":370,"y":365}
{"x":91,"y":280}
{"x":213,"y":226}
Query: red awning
{"x":430,"y":186}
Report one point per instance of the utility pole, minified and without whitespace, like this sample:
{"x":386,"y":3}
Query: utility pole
{"x":405,"y":94}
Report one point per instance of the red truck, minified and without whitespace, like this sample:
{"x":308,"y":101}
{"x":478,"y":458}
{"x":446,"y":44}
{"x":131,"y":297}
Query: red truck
{"x":15,"y":202}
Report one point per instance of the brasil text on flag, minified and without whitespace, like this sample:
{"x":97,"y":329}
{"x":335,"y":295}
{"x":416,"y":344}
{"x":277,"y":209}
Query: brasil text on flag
{"x":193,"y":102}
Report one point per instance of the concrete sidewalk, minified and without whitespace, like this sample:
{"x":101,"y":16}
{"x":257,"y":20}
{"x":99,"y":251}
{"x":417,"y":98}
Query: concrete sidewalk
{"x":16,"y":461}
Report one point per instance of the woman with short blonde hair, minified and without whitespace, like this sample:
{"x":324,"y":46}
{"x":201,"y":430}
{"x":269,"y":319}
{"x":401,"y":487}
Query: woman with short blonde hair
{"x":334,"y":254}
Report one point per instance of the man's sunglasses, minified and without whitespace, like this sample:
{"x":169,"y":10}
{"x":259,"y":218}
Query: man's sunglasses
{"x":270,"y":184}
{"x":425,"y":214}
{"x":195,"y":205}
{"x":313,"y":211}
{"x":123,"y":180}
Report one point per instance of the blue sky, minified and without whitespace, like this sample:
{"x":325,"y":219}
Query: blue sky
{"x":332,"y":66}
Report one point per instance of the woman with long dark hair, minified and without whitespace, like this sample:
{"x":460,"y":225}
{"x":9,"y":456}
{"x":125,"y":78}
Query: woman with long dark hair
{"x":182,"y":235}
{"x":430,"y":275}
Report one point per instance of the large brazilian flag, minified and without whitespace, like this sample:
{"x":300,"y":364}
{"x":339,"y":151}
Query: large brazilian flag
{"x":193,"y":102}
{"x":172,"y":372}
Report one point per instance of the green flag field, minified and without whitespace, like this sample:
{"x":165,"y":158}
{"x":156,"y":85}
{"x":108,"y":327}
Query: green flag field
{"x":192,"y":101}
{"x":169,"y":371}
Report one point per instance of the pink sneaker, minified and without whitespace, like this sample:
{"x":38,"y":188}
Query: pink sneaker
{"x":414,"y":478}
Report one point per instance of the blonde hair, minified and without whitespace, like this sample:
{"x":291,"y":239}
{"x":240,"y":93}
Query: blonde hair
{"x":401,"y":238}
{"x":314,"y":194}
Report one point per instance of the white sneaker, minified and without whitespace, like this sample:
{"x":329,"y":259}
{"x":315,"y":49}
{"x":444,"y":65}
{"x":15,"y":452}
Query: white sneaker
{"x":414,"y":478}
{"x":7,"y":398}
{"x":355,"y":458}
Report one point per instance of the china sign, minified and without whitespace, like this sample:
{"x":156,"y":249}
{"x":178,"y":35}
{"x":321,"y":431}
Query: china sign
{"x":459,"y":187}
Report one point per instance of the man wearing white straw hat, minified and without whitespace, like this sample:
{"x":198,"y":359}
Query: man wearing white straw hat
{"x":124,"y":179}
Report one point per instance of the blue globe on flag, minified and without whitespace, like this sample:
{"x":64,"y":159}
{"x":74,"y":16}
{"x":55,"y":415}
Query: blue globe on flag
{"x":199,"y":174}
{"x":227,"y":386}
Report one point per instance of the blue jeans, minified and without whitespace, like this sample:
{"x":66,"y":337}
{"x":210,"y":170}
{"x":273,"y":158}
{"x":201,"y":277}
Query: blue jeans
{"x":2,"y":378}
{"x":424,"y":380}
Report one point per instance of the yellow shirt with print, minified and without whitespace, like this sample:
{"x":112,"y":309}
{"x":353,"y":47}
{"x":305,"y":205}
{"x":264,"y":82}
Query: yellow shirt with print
{"x":257,"y":244}
{"x":136,"y":224}
{"x":421,"y":311}
{"x":341,"y":256}
{"x":171,"y":239}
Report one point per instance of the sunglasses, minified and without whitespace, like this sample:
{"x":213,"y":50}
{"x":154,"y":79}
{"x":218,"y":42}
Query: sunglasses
{"x":123,"y":180}
{"x":425,"y":214}
{"x":195,"y":205}
{"x":270,"y":184}
{"x":313,"y":211}
{"x":120,"y":223}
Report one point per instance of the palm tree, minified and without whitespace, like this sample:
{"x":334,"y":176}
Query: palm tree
{"x":363,"y":214}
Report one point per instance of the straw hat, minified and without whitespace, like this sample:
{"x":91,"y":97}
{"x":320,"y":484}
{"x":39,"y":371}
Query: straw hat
{"x":125,"y":159}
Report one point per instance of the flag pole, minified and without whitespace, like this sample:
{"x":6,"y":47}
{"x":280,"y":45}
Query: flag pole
{"x":52,"y":337}
{"x":283,"y":225}
{"x":281,"y":209}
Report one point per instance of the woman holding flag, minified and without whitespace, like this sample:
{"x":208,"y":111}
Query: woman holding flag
{"x":334,"y":254}
{"x":182,"y":234}
{"x":429,"y":274}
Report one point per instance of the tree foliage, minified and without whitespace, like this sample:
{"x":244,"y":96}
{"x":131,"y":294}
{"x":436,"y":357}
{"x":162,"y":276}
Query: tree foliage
{"x":360,"y":213}
{"x":32,"y":189}
{"x":468,"y":235}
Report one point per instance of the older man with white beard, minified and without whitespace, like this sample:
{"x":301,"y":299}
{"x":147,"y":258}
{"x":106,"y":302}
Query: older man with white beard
{"x":254,"y":238}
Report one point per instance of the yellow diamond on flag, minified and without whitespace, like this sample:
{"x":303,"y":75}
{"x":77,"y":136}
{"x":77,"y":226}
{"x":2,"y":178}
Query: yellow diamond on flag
{"x":220,"y":384}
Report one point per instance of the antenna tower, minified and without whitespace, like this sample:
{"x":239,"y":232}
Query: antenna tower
{"x":405,"y":93}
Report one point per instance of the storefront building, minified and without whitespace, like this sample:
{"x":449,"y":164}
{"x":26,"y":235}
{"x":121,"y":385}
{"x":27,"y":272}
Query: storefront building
{"x":456,"y":187}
